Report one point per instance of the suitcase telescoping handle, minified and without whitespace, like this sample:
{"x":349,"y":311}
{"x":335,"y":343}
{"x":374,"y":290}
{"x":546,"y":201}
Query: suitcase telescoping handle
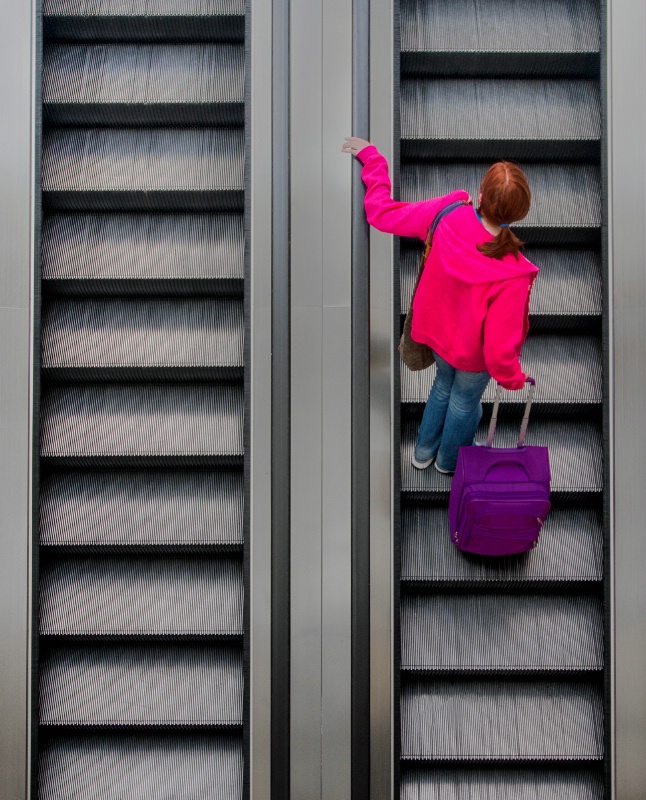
{"x":525,"y":422}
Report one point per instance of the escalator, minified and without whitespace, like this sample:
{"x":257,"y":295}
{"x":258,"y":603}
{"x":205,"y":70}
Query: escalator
{"x":502,"y":668}
{"x":142,"y":619}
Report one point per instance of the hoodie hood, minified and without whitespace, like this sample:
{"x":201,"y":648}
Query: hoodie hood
{"x":453,"y":246}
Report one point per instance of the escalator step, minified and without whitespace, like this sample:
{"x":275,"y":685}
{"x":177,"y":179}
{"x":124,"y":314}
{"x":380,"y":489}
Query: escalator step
{"x":500,"y":37}
{"x":502,"y":721}
{"x":575,"y":457}
{"x":568,"y":370}
{"x":107,"y":685}
{"x":121,"y":169}
{"x":141,"y":253}
{"x":566,"y":204}
{"x":492,"y":784}
{"x":462,"y":119}
{"x":143,"y":84}
{"x":143,"y":339}
{"x":501,"y":633}
{"x":117,"y":20}
{"x":137,"y":510}
{"x":145,"y":425}
{"x":570,"y":551}
{"x":105,"y":766}
{"x":141,"y":597}
{"x":567,"y":292}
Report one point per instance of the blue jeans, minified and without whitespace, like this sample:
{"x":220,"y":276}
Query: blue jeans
{"x":452,"y":414}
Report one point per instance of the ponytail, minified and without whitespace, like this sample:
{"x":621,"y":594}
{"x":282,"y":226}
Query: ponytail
{"x":505,"y":198}
{"x":505,"y":242}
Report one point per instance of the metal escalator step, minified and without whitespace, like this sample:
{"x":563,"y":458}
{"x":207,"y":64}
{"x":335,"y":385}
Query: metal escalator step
{"x":136,"y":510}
{"x":500,"y":119}
{"x":576,"y":457}
{"x":143,"y":254}
{"x":122,"y":169}
{"x":104,"y":766}
{"x":141,"y":597}
{"x":566,"y":295}
{"x":117,"y":20}
{"x":568,"y":292}
{"x":568,"y":370}
{"x":501,"y":633}
{"x":492,"y":784}
{"x":148,"y":425}
{"x":143,"y":339}
{"x":501,"y":37}
{"x":566,"y":198}
{"x":107,"y":685}
{"x":143,"y":84}
{"x":502,"y":721}
{"x":570,"y":552}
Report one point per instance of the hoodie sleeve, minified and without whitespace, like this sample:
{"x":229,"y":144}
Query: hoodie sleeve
{"x":505,"y":328}
{"x":393,"y":216}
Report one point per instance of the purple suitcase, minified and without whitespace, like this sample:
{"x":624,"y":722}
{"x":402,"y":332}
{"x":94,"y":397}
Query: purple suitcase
{"x":500,"y":496}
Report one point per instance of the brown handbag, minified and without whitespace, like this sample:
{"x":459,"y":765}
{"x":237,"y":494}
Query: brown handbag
{"x":416,"y":355}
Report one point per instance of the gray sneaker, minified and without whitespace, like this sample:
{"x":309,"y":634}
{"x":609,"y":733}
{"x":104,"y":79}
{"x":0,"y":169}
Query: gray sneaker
{"x":422,"y":464}
{"x":444,"y":471}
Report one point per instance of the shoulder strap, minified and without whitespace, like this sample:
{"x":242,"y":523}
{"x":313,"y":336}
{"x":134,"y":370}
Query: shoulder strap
{"x":446,"y":210}
{"x":436,"y":221}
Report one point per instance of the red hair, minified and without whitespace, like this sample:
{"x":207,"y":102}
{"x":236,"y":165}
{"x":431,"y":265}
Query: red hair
{"x":505,"y":199}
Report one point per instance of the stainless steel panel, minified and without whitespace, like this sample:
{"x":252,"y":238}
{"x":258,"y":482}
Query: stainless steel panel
{"x":259,"y":236}
{"x":627,"y":193}
{"x":381,"y":422}
{"x":336,"y":631}
{"x":321,"y":115}
{"x":16,"y":237}
{"x":14,"y":539}
{"x":306,"y":552}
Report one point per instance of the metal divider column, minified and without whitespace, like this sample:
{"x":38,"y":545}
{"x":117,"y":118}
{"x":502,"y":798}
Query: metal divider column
{"x":627,"y":193}
{"x":16,"y":238}
{"x":321,"y":379}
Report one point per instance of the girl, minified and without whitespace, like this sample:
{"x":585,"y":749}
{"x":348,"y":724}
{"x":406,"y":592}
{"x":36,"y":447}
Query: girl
{"x":472,"y":303}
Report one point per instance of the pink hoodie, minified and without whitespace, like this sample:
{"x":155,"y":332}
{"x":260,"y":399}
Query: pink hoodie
{"x":471,"y":309}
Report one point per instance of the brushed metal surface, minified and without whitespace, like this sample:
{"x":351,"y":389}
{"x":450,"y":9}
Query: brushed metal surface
{"x":320,"y":116}
{"x":382,"y":447}
{"x":259,"y":233}
{"x":627,"y":207}
{"x":16,"y":236}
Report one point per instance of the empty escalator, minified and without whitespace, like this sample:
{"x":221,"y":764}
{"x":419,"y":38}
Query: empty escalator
{"x":502,"y":662}
{"x":141,"y":684}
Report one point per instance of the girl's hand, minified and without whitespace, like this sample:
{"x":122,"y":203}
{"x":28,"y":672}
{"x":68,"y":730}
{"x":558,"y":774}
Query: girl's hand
{"x":354,"y":145}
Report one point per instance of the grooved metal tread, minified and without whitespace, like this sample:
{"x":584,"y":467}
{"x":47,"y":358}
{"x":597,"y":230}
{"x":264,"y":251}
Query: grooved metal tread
{"x":567,"y":369}
{"x":501,"y":633}
{"x":137,"y":509}
{"x":143,"y":253}
{"x":138,"y":685}
{"x":496,"y":26}
{"x":115,"y":20}
{"x":102,"y":766}
{"x":143,"y":168}
{"x":492,"y":784}
{"x":142,"y":425}
{"x":501,"y":721}
{"x":140,"y":339}
{"x":563,"y":195}
{"x":140,"y":597}
{"x":148,"y":8}
{"x":575,"y":456}
{"x":199,"y":84}
{"x":462,"y":118}
{"x":568,"y":286}
{"x":571,"y":550}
